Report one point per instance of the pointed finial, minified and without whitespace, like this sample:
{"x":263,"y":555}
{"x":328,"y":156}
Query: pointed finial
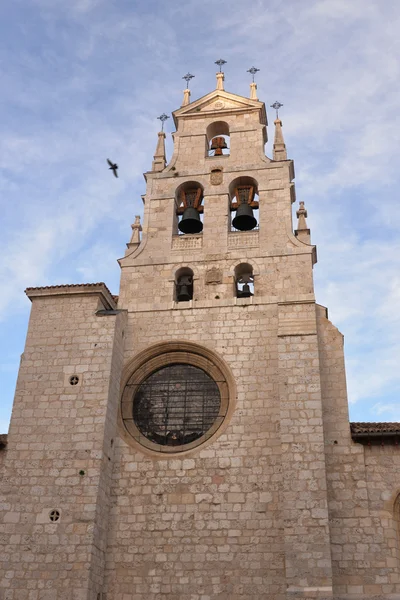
{"x":220,"y":62}
{"x":160,"y":161}
{"x":188,"y":77}
{"x":220,"y":75}
{"x":136,"y":229}
{"x":186,"y":97}
{"x":302,"y":231}
{"x":279,"y":152}
{"x":276,"y":105}
{"x":163,"y":118}
{"x":302,"y":211}
{"x":186,"y":93}
{"x":253,"y":71}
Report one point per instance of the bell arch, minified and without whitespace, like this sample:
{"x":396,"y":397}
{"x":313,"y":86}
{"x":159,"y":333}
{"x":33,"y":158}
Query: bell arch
{"x":183,"y":284}
{"x":189,"y":208}
{"x":244,"y":280}
{"x":218,"y":139}
{"x":243,"y":203}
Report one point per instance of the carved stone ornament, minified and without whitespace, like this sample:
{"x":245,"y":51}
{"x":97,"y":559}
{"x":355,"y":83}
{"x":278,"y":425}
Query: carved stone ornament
{"x":213,"y":276}
{"x":216,"y":177}
{"x":219,"y":104}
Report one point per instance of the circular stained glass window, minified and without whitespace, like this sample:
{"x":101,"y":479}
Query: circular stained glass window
{"x":176,"y":405}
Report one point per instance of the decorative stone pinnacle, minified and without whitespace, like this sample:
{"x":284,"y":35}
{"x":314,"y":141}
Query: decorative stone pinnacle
{"x":253,"y":91}
{"x":302,"y":210}
{"x":279,"y":150}
{"x":186,"y":97}
{"x":302,"y":232}
{"x":136,"y":229}
{"x":159,"y":162}
{"x":137,"y":225}
{"x":220,"y":81}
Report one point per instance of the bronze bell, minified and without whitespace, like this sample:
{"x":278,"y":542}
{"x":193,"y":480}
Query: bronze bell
{"x":244,"y":219}
{"x":244,"y":292}
{"x":190,"y":222}
{"x":218,"y":144}
{"x":184,"y":288}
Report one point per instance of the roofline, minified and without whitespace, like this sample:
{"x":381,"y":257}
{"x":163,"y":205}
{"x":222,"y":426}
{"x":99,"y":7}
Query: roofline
{"x":252,"y":105}
{"x":99,"y":289}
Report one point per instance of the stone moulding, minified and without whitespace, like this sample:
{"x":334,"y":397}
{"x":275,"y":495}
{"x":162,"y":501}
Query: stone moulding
{"x":243,"y":239}
{"x":187,"y":242}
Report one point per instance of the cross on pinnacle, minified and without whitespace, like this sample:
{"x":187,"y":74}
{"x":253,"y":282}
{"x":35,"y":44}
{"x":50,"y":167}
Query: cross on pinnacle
{"x":163,"y":118}
{"x":220,"y":62}
{"x":253,"y":71}
{"x":276,"y":105}
{"x":188,"y":77}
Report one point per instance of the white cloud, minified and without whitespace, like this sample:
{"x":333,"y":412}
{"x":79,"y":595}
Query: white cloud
{"x":389,"y":412}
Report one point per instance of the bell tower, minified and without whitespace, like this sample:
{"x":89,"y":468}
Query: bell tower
{"x":189,"y":438}
{"x":221,"y":410}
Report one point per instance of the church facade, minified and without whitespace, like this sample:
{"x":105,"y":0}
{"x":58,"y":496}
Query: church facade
{"x":189,"y":439}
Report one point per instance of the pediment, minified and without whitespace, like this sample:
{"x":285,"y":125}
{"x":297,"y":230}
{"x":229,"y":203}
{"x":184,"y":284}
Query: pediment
{"x":220,"y":102}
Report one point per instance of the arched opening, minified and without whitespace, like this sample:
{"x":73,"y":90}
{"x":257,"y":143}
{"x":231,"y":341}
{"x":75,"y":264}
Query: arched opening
{"x":244,"y":281}
{"x":244,"y":204}
{"x":218,"y":139}
{"x":183,"y":285}
{"x":189,"y":208}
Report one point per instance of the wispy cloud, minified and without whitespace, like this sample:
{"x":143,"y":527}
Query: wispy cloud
{"x":389,"y":412}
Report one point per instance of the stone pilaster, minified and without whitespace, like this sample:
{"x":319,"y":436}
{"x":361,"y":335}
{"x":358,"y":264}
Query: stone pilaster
{"x":304,"y":491}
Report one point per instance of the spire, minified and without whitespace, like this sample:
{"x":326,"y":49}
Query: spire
{"x":279,"y":144}
{"x":186,"y":97}
{"x":302,"y":231}
{"x":136,"y":229}
{"x":159,"y":162}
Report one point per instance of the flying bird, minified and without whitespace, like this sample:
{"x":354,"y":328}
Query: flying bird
{"x":113,"y":167}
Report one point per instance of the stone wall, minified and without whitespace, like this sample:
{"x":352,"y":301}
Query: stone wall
{"x":60,"y":449}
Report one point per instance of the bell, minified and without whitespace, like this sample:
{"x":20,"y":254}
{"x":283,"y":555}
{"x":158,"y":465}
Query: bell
{"x":183,"y":294}
{"x":244,"y":292}
{"x":218,"y":144}
{"x":184,"y":291}
{"x":244,"y":219}
{"x":190,"y":222}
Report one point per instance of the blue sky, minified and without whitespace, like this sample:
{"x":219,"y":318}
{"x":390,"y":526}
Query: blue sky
{"x":86,"y":79}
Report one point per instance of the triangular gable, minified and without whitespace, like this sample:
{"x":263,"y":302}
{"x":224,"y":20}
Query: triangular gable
{"x":220,"y":102}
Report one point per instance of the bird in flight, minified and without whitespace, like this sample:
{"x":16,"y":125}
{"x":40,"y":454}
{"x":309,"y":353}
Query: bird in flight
{"x":113,"y":167}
